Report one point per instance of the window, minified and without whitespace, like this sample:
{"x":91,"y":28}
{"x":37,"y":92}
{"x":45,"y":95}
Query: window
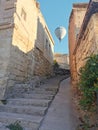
{"x":49,"y":49}
{"x":49,"y":46}
{"x":46,"y":41}
{"x":46,"y":44}
{"x":23,"y":14}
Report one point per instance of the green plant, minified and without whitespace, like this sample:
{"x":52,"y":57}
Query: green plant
{"x":55,"y":64}
{"x":15,"y":126}
{"x":4,"y":102}
{"x":89,"y":83}
{"x":85,"y":123}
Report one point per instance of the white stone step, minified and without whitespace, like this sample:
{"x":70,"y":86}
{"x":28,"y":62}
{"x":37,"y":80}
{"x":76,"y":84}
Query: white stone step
{"x":37,"y":96}
{"x":33,"y":102}
{"x":27,"y":121}
{"x":30,"y":110}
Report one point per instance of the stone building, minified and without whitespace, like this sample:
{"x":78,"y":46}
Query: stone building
{"x":26,"y":45}
{"x":75,"y":22}
{"x":62,"y":60}
{"x":87,"y":40}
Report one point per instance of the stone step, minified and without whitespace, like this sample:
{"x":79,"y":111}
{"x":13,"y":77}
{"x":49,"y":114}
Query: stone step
{"x":35,"y":92}
{"x":26,"y":121}
{"x":31,"y":110}
{"x":42,"y":92}
{"x":37,"y":96}
{"x":49,"y":89}
{"x":3,"y":126}
{"x":52,"y":89}
{"x":33,"y":102}
{"x":28,"y":129}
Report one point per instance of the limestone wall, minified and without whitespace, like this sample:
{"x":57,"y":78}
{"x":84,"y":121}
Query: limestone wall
{"x":75,"y":22}
{"x":42,"y":66}
{"x":20,"y":36}
{"x":44,"y":49}
{"x":44,"y":40}
{"x":87,"y":42}
{"x":87,"y":45}
{"x":95,"y":17}
{"x":4,"y":58}
{"x":22,"y":43}
{"x":24,"y":37}
{"x":29,"y":34}
{"x":7,"y":9}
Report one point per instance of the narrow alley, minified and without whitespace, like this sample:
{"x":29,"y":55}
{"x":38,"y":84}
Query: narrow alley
{"x":60,"y":115}
{"x":48,"y":70}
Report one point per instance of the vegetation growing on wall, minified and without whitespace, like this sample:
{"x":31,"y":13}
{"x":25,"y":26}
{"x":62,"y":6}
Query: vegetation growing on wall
{"x":89,"y":82}
{"x":88,"y":86}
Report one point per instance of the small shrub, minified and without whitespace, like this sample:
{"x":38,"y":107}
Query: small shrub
{"x":85,"y":123}
{"x":4,"y":102}
{"x":55,"y":64}
{"x":89,"y":82}
{"x":88,"y":85}
{"x":15,"y":126}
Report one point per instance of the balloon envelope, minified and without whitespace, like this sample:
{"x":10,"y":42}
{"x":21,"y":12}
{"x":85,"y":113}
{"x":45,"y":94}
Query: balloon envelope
{"x":60,"y":32}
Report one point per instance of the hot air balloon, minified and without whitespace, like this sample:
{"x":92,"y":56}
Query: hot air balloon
{"x":60,"y":32}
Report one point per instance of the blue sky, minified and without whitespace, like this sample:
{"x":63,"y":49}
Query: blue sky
{"x":56,"y":13}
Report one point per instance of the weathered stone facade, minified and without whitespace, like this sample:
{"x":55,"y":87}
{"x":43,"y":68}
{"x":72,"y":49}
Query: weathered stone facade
{"x":87,"y":40}
{"x":26,"y":45}
{"x":62,"y":60}
{"x":75,"y":22}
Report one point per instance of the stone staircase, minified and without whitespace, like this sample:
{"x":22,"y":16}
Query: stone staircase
{"x":28,"y":106}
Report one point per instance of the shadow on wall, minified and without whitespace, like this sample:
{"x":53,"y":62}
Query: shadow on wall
{"x":24,"y":65}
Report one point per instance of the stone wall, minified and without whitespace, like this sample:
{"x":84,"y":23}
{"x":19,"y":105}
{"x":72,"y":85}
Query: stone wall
{"x":4,"y":57}
{"x":44,"y":40}
{"x":75,"y":22}
{"x":62,"y":60}
{"x":42,"y":66}
{"x":95,"y":17}
{"x":7,"y":9}
{"x":23,"y":41}
{"x":20,"y":36}
{"x":87,"y":41}
{"x":88,"y":44}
